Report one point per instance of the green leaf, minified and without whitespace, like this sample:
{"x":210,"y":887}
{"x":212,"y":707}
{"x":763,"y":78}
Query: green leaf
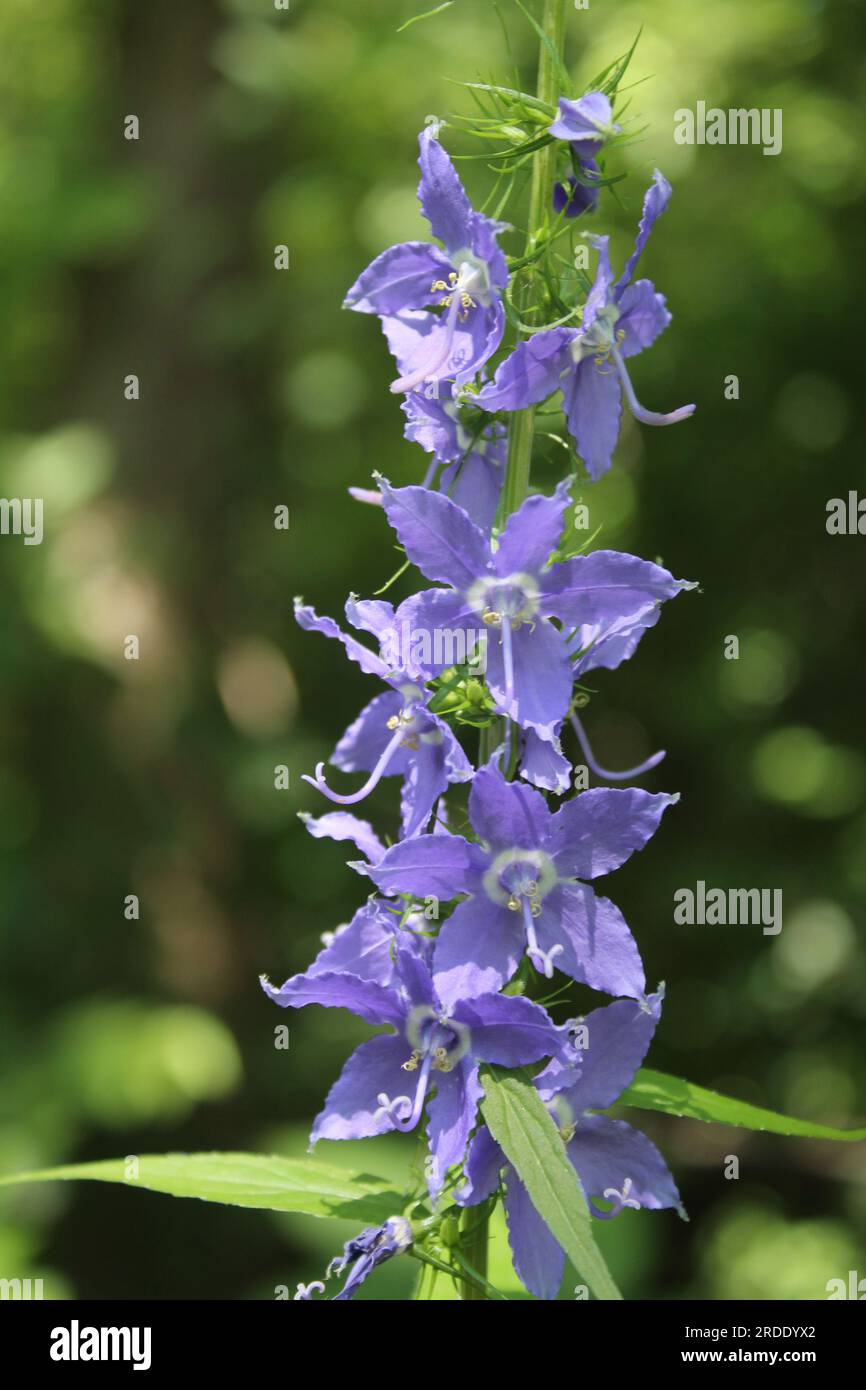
{"x":653,"y":1090}
{"x":532,"y":1144}
{"x":427,"y":15}
{"x":242,"y":1180}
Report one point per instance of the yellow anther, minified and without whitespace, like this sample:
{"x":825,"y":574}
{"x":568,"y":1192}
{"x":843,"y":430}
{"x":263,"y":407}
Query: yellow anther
{"x":513,"y":904}
{"x":393,"y":722}
{"x":535,"y":907}
{"x":490,"y":617}
{"x":412,"y":1063}
{"x":438,"y":285}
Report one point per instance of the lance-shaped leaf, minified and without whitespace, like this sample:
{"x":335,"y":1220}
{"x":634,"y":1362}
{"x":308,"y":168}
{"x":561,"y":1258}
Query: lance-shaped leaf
{"x":527,"y":1135}
{"x":269,"y":1183}
{"x":654,"y":1090}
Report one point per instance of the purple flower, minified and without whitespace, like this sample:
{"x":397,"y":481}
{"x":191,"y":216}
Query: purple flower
{"x":587,"y":364}
{"x":586,"y":123}
{"x":372,"y":1247}
{"x":473,"y":452}
{"x":386,"y":1083}
{"x":575,"y":196}
{"x":502,"y":599}
{"x":396,"y":734}
{"x":521,"y":882}
{"x":613,"y":1162}
{"x":464,"y":280}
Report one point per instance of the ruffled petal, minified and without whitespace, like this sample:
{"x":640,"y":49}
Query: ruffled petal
{"x":440,"y":866}
{"x":611,"y":1157}
{"x":593,"y":405}
{"x":532,"y":372}
{"x":531,"y":534}
{"x":538,"y":1258}
{"x":599,"y":830}
{"x":450,"y":1118}
{"x":606,"y":587}
{"x":437,"y":536}
{"x":597,"y":947}
{"x":655,"y":202}
{"x":484,"y":1163}
{"x":400,"y":278}
{"x":353,"y":1109}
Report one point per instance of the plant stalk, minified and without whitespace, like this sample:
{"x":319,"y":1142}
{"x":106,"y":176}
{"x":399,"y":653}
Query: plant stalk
{"x":520,"y":437}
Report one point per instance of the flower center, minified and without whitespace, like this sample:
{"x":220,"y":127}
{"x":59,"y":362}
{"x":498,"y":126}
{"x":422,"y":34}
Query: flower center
{"x":518,"y":874}
{"x":600,"y":338}
{"x":514,"y":599}
{"x":438,"y":1043}
{"x":413,"y":720}
{"x":469,"y":284}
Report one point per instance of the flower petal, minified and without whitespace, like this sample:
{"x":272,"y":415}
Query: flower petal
{"x":437,"y":536}
{"x":442,"y":196}
{"x":341,"y":825}
{"x":599,"y":830}
{"x":400,"y":278}
{"x":604,"y":587}
{"x":352,"y":1109}
{"x":593,"y":405}
{"x":655,"y":202}
{"x":366,"y":739}
{"x":368,"y":661}
{"x":505,"y":814}
{"x":531,"y":534}
{"x":369,"y":1000}
{"x":542,"y":677}
{"x":585,"y":123}
{"x":543,"y":763}
{"x":538,"y":1258}
{"x":437,"y":761}
{"x":364,"y":948}
{"x":450,"y":1118}
{"x":508,"y":1030}
{"x":642,"y":317}
{"x":608,"y":1153}
{"x":531,"y":373}
{"x":597,"y":947}
{"x":434,"y":629}
{"x":440,"y":866}
{"x":477,"y":951}
{"x":475,"y":483}
{"x":484,"y":1162}
{"x":617,"y":1038}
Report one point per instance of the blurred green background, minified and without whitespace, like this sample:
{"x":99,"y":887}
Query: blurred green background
{"x":156,"y":777}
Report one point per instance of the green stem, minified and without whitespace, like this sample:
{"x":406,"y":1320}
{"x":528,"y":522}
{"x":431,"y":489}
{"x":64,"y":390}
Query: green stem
{"x":521,"y":432}
{"x":521,"y":425}
{"x":475,"y":1251}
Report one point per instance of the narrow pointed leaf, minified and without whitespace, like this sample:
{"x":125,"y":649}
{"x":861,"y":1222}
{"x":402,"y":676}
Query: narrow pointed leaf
{"x":265,"y":1182}
{"x":654,"y":1090}
{"x":532,"y":1144}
